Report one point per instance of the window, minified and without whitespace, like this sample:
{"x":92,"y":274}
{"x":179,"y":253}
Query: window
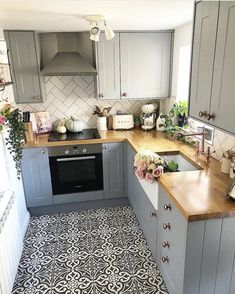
{"x":183,"y":73}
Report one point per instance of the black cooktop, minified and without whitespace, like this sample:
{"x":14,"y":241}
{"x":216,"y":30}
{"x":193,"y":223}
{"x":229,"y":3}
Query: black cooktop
{"x":86,"y":134}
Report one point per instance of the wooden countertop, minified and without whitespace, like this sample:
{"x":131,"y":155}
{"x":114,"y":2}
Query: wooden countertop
{"x":199,"y":195}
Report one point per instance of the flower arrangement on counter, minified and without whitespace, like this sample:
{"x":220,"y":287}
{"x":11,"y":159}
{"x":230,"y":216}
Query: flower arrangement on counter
{"x":150,"y":166}
{"x":11,"y":119}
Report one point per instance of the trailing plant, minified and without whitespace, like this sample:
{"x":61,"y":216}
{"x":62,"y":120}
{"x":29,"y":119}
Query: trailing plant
{"x":180,"y":108}
{"x":12,"y":119}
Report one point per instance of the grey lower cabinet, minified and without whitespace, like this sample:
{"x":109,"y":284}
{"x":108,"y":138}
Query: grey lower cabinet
{"x":113,"y":169}
{"x":213,"y":62}
{"x":36,"y":177}
{"x":143,"y":208}
{"x":24,"y":65}
{"x":195,"y":257}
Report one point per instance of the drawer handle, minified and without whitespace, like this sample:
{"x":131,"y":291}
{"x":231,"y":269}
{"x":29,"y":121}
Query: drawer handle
{"x":165,"y":244}
{"x":165,"y":259}
{"x":42,"y":151}
{"x":202,"y":113}
{"x":153,"y":214}
{"x":167,"y":207}
{"x":166,"y":226}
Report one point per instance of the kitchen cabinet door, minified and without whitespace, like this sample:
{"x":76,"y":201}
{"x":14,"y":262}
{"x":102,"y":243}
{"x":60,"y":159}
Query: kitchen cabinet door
{"x":222,"y":99}
{"x":204,"y":42}
{"x":145,"y":64}
{"x":36,"y":177}
{"x":113,"y":168}
{"x":107,"y":55}
{"x":24,"y":66}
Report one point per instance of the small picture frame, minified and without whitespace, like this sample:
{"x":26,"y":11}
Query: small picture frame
{"x":43,"y":122}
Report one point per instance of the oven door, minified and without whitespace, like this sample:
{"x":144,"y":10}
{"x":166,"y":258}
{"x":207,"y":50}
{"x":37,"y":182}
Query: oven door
{"x":79,"y":173}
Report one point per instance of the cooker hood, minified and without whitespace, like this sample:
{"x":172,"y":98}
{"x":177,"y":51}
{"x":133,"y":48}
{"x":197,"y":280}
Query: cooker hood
{"x":68,"y":64}
{"x":66,"y":54}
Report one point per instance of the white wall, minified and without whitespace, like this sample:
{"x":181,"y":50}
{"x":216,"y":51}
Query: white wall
{"x":8,"y":177}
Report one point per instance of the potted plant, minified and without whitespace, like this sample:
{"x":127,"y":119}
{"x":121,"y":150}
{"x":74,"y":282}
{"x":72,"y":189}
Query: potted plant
{"x":180,"y":112}
{"x":11,"y":119}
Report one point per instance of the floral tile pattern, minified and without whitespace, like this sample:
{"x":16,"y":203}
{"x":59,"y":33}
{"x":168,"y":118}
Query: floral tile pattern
{"x":90,"y":252}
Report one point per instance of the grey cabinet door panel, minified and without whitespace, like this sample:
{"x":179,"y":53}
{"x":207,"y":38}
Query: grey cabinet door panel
{"x":145,"y":64}
{"x":223,"y":102}
{"x":205,"y":29}
{"x":25,"y":66}
{"x":36,"y":177}
{"x":113,"y":165}
{"x":107,"y":54}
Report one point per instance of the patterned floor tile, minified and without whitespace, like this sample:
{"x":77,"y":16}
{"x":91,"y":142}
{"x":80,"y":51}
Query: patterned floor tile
{"x":99,"y":251}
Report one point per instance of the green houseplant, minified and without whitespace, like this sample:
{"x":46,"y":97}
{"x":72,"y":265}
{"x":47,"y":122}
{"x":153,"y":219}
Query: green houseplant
{"x":180,"y":111}
{"x":11,"y":119}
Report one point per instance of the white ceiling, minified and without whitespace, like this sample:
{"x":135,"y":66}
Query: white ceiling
{"x":67,"y":15}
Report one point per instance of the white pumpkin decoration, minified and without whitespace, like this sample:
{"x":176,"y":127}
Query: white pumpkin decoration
{"x":74,"y":125}
{"x":61,"y":129}
{"x":58,"y":123}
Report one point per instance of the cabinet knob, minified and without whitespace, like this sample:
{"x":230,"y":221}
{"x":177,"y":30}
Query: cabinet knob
{"x":153,"y":214}
{"x":166,"y":226}
{"x":104,"y":146}
{"x":165,"y":259}
{"x":42,"y":151}
{"x":165,"y":244}
{"x":37,"y":98}
{"x":210,"y":116}
{"x":124,"y":94}
{"x":202,"y":113}
{"x":101,"y":95}
{"x":167,"y":207}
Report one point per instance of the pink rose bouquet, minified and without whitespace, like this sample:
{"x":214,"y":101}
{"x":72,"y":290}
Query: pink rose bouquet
{"x":149,"y":166}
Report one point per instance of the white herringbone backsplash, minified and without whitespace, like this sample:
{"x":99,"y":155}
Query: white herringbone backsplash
{"x":66,"y":96}
{"x":76,"y":95}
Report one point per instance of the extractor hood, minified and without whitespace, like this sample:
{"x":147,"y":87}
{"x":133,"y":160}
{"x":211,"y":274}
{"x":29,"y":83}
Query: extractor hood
{"x":66,"y":54}
{"x":68,"y":64}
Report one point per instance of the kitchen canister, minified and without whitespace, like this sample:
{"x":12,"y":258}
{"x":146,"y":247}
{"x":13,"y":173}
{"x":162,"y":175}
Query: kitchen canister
{"x":102,"y":123}
{"x":226,"y":163}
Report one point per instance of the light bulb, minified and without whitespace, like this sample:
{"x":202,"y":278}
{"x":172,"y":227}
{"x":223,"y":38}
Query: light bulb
{"x":109,"y":33}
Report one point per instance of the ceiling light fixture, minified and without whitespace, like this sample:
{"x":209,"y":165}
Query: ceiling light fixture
{"x":94,"y":21}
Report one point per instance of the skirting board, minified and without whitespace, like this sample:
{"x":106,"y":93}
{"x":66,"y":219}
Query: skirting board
{"x":62,"y":208}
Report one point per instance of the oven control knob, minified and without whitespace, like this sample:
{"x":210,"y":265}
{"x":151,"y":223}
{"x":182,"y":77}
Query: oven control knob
{"x":84,"y":150}
{"x":66,"y":152}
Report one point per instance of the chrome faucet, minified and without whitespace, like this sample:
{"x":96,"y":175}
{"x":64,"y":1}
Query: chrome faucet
{"x":200,"y":149}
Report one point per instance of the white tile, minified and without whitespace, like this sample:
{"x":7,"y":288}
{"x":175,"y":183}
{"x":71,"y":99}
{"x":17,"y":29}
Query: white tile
{"x":68,"y":89}
{"x":57,"y":82}
{"x":58,"y":94}
{"x":81,"y":82}
{"x":80,"y":92}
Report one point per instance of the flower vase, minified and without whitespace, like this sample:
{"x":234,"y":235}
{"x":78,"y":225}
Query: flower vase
{"x":102,"y":123}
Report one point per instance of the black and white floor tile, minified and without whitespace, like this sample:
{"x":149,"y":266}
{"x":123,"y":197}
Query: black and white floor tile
{"x":91,"y":252}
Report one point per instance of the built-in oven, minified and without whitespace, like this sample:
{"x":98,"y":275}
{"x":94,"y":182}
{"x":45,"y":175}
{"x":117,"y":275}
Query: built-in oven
{"x":76,"y":168}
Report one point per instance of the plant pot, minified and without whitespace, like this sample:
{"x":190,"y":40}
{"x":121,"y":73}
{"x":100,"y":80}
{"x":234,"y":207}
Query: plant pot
{"x":181,"y":120}
{"x":102,"y":123}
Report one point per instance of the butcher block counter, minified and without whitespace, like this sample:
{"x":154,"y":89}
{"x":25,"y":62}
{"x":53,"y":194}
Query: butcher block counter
{"x":199,"y":194}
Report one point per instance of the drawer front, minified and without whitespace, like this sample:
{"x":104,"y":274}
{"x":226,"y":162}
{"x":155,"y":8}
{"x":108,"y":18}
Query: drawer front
{"x":172,"y":232}
{"x":146,"y":215}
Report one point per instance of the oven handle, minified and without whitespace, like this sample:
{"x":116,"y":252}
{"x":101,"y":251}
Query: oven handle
{"x":75,"y":158}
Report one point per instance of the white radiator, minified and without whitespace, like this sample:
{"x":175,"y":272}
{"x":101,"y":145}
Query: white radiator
{"x":10,"y":241}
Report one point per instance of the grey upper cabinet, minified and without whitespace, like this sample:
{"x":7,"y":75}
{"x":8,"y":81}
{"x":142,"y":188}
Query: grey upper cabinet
{"x":113,"y":168}
{"x":36,"y":177}
{"x":204,"y":42}
{"x":145,"y":64}
{"x":222,"y":99}
{"x":213,"y":64}
{"x":107,"y":56}
{"x":24,"y":61}
{"x":134,"y":65}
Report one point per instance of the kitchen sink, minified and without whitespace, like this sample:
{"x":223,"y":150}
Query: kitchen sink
{"x":185,"y":164}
